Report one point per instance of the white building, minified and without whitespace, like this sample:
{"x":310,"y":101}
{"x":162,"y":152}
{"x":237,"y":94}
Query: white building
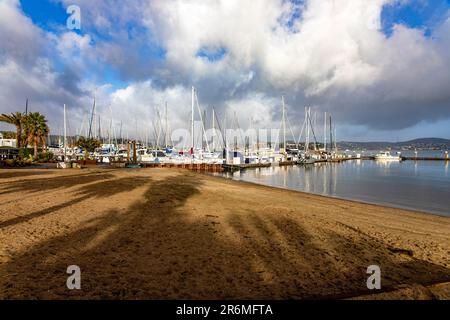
{"x":12,"y":143}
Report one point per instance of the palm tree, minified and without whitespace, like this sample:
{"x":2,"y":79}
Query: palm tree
{"x":88,"y":145}
{"x":17,"y":119}
{"x":37,"y":130}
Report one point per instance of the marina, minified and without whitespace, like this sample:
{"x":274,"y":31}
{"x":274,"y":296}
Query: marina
{"x":219,"y":152}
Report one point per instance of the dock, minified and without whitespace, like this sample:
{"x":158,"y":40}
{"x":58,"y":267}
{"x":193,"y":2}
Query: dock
{"x":188,"y":166}
{"x":204,"y":167}
{"x":425,"y":158}
{"x":287,"y":163}
{"x":237,"y":167}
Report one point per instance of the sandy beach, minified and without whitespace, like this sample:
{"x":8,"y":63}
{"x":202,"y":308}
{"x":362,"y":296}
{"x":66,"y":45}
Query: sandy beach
{"x":171,"y":233}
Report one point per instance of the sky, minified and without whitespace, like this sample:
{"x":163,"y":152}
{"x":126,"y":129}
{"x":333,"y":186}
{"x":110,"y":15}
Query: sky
{"x":380,"y":67}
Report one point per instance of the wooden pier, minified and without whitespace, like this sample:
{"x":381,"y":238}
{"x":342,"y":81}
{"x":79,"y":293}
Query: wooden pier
{"x":287,"y":163}
{"x":237,"y":167}
{"x":189,"y":166}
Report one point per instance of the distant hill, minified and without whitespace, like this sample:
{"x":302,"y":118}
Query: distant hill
{"x":419,"y":144}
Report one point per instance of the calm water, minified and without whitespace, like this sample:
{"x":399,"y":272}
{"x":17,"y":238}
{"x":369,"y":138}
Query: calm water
{"x":415,"y":185}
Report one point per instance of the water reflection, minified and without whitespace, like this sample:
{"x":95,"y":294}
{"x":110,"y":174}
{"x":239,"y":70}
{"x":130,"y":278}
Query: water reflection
{"x":417,"y":185}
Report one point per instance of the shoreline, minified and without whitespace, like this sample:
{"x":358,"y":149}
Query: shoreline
{"x":384,"y":205}
{"x":177,"y":234}
{"x":211,"y":174}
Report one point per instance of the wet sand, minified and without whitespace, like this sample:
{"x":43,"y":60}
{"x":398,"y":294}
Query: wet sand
{"x":167,"y":233}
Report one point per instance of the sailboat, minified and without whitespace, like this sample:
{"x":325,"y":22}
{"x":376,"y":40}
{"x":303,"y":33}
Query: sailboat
{"x":307,"y":158}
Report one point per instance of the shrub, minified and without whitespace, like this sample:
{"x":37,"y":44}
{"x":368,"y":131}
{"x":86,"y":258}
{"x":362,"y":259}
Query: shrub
{"x":17,"y":163}
{"x":45,"y":157}
{"x":25,"y":153}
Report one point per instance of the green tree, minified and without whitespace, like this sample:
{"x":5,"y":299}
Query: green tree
{"x":8,"y":135}
{"x":17,"y":119}
{"x":37,"y":130}
{"x":88,"y":145}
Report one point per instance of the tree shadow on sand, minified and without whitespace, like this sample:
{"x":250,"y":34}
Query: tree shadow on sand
{"x":7,"y":174}
{"x":48,"y":184}
{"x":155,"y":249}
{"x":102,"y":189}
{"x":303,"y":266}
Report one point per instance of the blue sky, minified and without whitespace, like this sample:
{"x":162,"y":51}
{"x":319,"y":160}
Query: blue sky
{"x":165,"y":47}
{"x":425,"y":15}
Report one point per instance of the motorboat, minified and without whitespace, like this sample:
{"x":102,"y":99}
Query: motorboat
{"x":387,"y":156}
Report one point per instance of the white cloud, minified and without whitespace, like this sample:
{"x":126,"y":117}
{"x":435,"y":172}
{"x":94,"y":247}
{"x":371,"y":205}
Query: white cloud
{"x":19,"y":37}
{"x":336,"y":43}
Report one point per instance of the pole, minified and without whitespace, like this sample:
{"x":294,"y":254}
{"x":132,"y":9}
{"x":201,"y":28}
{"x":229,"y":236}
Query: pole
{"x":99,"y":129}
{"x":110,"y":127}
{"x":166,"y":129}
{"x":192,"y":122}
{"x":307,"y":130}
{"x":335,"y":141}
{"x":314,"y":125}
{"x":120,"y":133}
{"x":325,"y":133}
{"x":284,"y":125}
{"x":92,"y":119}
{"x":65,"y":133}
{"x":214,"y":130}
{"x":331,"y":136}
{"x":204,"y":141}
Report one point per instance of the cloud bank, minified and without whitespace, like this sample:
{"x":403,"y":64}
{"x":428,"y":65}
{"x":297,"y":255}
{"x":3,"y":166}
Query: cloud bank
{"x":240,"y":55}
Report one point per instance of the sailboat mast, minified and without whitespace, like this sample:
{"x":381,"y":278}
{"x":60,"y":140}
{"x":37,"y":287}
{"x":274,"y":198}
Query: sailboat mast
{"x":110,"y":127}
{"x":166,"y":130}
{"x":284,"y":124}
{"x":204,"y":139}
{"x":92,"y":119}
{"x":325,"y":133}
{"x":120,"y":133}
{"x":307,"y":130}
{"x":99,"y":129}
{"x":65,"y":132}
{"x":226,"y":136}
{"x":192,"y":122}
{"x":214,"y":130}
{"x":312,"y":128}
{"x":331,"y":135}
{"x":335,"y":141}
